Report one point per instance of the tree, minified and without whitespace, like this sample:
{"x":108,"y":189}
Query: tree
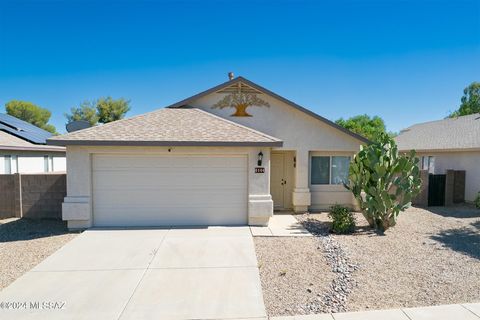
{"x":86,"y":111}
{"x":364,"y":125}
{"x":470,"y":101}
{"x":240,"y":101}
{"x":30,"y":113}
{"x":103,"y":110}
{"x":383,"y":182}
{"x":109,"y":109}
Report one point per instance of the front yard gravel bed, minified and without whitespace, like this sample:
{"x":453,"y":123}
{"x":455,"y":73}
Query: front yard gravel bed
{"x":430,"y":257}
{"x":25,"y":243}
{"x":294,"y":273}
{"x":335,"y":298}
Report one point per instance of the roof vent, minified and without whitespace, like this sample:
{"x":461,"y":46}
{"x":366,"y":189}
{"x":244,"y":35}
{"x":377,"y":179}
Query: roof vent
{"x":230,"y":75}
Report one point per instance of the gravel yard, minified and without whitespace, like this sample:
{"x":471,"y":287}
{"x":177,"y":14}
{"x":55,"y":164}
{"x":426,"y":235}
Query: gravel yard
{"x":25,"y":243}
{"x":293,"y":273}
{"x":430,"y":257}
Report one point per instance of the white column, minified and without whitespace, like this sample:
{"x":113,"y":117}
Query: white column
{"x":301,"y":193}
{"x":77,"y":205}
{"x":260,"y":203}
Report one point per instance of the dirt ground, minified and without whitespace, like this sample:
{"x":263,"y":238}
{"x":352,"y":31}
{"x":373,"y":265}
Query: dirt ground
{"x":293,"y":273}
{"x":431,"y":257}
{"x":25,"y":243}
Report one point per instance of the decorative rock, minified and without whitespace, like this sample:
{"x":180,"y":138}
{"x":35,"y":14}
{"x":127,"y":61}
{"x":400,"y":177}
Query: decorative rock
{"x":335,"y":299}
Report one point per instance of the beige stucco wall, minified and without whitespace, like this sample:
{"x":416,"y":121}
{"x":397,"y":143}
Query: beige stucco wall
{"x":77,"y":206}
{"x":301,"y":133}
{"x":456,"y":160}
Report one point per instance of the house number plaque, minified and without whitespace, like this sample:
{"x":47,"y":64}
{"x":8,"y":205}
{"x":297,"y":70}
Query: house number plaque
{"x":259,"y":170}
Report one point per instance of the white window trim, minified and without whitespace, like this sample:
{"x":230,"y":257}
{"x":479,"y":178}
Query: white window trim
{"x":329,"y":186}
{"x":430,"y":163}
{"x":7,"y":164}
{"x":12,"y":160}
{"x":48,"y":163}
{"x":15,"y":161}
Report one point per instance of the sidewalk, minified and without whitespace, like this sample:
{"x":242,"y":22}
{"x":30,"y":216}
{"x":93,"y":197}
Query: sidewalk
{"x":281,"y":225}
{"x":468,"y":311}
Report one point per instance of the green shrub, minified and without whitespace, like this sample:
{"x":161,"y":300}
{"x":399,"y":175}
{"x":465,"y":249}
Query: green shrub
{"x":477,"y":201}
{"x":343,"y":219}
{"x":383,"y":181}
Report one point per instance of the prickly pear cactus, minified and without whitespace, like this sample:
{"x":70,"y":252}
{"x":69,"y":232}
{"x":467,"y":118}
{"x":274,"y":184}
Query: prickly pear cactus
{"x":383,"y":182}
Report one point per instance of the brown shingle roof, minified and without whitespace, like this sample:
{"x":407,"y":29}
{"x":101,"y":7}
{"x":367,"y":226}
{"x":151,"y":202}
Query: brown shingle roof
{"x":169,"y":127}
{"x":460,"y":133}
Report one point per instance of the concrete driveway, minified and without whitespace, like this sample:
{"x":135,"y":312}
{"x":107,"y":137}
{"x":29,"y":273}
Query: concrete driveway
{"x":201,"y":273}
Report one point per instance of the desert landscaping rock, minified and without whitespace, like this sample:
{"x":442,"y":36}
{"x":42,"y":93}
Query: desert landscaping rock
{"x":335,"y":298}
{"x":430,"y":257}
{"x":307,"y":275}
{"x":25,"y":243}
{"x":294,"y":274}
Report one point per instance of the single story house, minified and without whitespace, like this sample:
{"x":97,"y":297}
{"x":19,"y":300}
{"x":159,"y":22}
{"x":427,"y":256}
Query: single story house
{"x":23,"y":148}
{"x":230,"y":155}
{"x":452,"y":143}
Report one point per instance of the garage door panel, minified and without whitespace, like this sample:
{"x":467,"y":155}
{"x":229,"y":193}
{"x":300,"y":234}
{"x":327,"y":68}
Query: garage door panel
{"x":154,"y":190}
{"x":112,"y":162}
{"x":170,"y":198}
{"x":177,"y":216}
{"x":170,"y":178}
{"x":156,"y":170}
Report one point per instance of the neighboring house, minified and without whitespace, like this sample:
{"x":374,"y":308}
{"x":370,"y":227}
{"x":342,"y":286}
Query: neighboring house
{"x":227,"y":156}
{"x":452,"y":143}
{"x":23,"y":148}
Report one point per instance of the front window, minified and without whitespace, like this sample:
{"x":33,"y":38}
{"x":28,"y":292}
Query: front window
{"x":329,"y":169}
{"x":340,"y":166}
{"x":320,"y":170}
{"x":428,"y":163}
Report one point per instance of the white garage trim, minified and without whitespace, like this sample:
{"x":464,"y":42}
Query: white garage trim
{"x":162,"y":190}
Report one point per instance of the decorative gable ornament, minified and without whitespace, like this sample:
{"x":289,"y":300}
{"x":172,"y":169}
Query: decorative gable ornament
{"x":240,"y":97}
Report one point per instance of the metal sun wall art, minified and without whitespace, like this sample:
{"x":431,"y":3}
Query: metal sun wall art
{"x":240,"y":101}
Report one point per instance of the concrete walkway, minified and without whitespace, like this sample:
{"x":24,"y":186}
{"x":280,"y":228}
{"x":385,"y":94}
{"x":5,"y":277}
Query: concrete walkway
{"x":204,"y":273}
{"x":469,"y":311}
{"x":281,"y":225}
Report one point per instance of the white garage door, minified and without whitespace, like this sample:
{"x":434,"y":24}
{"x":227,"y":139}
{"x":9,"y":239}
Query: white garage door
{"x":154,"y":190}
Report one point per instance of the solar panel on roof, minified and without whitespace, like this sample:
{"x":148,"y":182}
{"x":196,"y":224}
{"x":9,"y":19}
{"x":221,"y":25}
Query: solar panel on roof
{"x":23,"y":129}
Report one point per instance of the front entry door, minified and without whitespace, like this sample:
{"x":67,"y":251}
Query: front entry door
{"x":281,"y":180}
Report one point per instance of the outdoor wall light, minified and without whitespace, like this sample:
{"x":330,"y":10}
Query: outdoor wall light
{"x":260,"y":158}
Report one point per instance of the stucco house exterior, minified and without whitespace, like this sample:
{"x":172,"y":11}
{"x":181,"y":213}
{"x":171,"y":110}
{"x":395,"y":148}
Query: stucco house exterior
{"x":448,"y":144}
{"x":230,"y":155}
{"x":23,"y":148}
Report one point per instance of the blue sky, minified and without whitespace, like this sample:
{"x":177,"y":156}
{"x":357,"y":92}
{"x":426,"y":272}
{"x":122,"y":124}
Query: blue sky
{"x":406,"y":61}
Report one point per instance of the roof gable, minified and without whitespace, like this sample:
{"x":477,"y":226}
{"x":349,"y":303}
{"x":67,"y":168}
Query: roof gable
{"x":253,"y":86}
{"x":460,"y":133}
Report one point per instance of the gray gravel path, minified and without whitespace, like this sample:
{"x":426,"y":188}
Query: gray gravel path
{"x":25,"y":243}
